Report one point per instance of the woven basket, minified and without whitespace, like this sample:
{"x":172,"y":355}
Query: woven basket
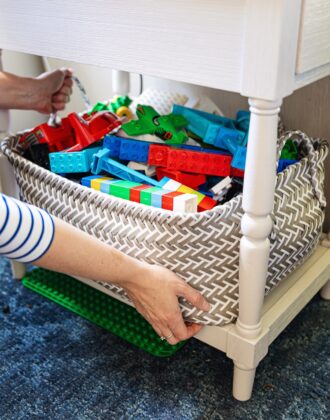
{"x":202,"y":248}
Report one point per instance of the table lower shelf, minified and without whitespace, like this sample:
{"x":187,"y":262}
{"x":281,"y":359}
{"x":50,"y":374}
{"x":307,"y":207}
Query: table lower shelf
{"x":280,"y":307}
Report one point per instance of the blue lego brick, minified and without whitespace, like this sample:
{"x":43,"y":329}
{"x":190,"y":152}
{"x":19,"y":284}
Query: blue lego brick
{"x":239,"y":158}
{"x":102,"y":162}
{"x":228,"y":138}
{"x":72,"y":162}
{"x":105,"y":185}
{"x":112,"y":143}
{"x":134,"y":150}
{"x":284,"y":163}
{"x":86,"y":181}
{"x":156,"y":198}
{"x":213,"y":129}
{"x":243,"y":120}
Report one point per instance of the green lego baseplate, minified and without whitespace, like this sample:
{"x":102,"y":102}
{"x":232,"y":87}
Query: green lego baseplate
{"x":99,"y":308}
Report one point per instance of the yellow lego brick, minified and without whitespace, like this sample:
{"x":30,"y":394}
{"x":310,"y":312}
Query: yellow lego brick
{"x":96,"y":183}
{"x":188,"y":190}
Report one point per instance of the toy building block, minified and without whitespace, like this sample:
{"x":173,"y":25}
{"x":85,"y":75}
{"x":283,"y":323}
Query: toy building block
{"x":189,"y":161}
{"x":122,"y":189}
{"x":95,"y":181}
{"x":112,"y":143}
{"x":284,"y":163}
{"x":144,"y":194}
{"x":147,"y":194}
{"x":203,"y":202}
{"x":157,"y":198}
{"x":136,"y":192}
{"x":167,"y":127}
{"x":102,"y":162}
{"x":39,"y":154}
{"x":213,"y":129}
{"x":239,"y":173}
{"x":57,"y":138}
{"x":127,"y":148}
{"x":134,"y":150}
{"x":289,"y":151}
{"x":225,"y":183}
{"x":138,"y":166}
{"x":75,"y":162}
{"x":120,"y":105}
{"x":243,"y":120}
{"x":191,"y":180}
{"x":92,"y":128}
{"x":239,"y":158}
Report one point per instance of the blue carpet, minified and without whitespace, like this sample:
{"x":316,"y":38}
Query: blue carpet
{"x":56,"y":365}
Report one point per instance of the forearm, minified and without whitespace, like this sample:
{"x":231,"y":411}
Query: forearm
{"x":16,"y":92}
{"x":75,"y":252}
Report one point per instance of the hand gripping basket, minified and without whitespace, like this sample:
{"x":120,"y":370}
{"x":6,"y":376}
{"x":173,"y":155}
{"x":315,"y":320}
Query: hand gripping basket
{"x":202,"y":248}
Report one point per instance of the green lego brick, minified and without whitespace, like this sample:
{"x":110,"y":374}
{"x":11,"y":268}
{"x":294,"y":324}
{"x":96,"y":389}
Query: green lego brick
{"x":289,"y":151}
{"x":145,"y":195}
{"x":122,"y":189}
{"x":99,"y":308}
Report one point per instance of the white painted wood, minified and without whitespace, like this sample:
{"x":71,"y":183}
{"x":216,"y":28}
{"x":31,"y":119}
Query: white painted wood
{"x":308,"y":77}
{"x":243,"y":382}
{"x":314,"y":37}
{"x":270,"y":41}
{"x":258,"y":199}
{"x":196,"y":41}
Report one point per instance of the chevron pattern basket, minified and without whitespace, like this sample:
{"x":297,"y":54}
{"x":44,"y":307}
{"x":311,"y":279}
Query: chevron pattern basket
{"x":202,"y":248}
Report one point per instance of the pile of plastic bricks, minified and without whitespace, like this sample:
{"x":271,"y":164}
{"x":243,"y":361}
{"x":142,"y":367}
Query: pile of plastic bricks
{"x":188,"y":160}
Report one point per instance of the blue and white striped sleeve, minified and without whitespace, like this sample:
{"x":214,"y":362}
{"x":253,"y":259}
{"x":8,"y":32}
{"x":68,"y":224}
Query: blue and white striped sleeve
{"x":26,"y":232}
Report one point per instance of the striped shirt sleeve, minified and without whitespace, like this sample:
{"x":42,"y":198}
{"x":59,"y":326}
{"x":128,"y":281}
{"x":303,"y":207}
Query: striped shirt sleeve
{"x":26,"y":232}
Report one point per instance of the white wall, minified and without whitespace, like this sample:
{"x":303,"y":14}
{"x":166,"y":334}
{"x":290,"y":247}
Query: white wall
{"x":307,"y":109}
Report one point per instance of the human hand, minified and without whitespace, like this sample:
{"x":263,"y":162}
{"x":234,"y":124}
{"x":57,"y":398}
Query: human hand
{"x":52,"y":90}
{"x":154,"y":292}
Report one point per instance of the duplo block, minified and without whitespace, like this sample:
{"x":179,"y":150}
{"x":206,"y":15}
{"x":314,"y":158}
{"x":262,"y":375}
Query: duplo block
{"x":146,"y":195}
{"x":122,"y":189}
{"x":73,"y":162}
{"x":190,"y":161}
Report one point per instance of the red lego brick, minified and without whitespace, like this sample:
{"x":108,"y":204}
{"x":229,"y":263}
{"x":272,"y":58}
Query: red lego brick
{"x":57,"y":138}
{"x":158,"y":155}
{"x":92,"y":128}
{"x":239,"y":173}
{"x":135,"y":192}
{"x":206,"y":204}
{"x":190,"y":180}
{"x":190,"y":161}
{"x":167,"y":200}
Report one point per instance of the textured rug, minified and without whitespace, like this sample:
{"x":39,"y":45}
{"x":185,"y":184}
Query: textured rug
{"x":56,"y":365}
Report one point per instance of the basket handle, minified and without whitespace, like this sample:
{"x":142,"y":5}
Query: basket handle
{"x":53,"y":119}
{"x":309,"y":151}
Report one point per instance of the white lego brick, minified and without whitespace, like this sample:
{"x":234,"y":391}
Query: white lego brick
{"x":225,"y":183}
{"x":147,"y":169}
{"x":172,"y":185}
{"x":185,"y":203}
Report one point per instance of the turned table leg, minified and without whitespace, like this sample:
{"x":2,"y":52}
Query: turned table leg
{"x":258,"y":199}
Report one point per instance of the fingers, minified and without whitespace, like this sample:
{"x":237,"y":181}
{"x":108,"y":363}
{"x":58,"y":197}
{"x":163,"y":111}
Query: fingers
{"x":192,"y":296}
{"x":161,"y":329}
{"x":66,"y":71}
